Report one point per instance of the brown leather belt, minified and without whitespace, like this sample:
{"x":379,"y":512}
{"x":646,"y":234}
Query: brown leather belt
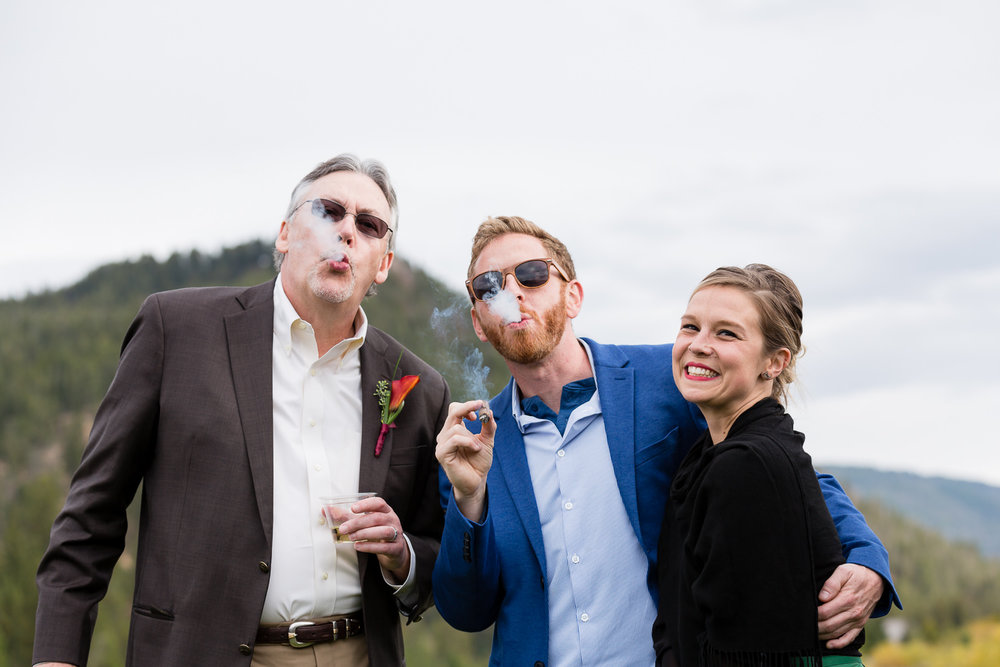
{"x":300,"y":634}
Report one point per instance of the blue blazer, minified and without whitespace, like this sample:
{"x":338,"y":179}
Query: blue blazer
{"x":494,"y":571}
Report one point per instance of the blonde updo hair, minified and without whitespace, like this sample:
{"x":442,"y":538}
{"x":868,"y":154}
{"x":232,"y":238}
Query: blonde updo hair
{"x":779,"y":308}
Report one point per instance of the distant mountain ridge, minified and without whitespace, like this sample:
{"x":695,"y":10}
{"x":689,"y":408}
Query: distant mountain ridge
{"x":959,"y":510}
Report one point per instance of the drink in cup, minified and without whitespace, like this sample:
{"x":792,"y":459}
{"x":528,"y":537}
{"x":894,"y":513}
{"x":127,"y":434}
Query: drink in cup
{"x":338,"y":510}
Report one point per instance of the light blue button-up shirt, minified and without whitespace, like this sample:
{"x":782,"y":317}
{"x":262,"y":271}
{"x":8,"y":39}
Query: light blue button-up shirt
{"x":600,"y":609}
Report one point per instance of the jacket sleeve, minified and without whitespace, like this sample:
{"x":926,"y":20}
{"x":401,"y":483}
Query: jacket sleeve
{"x":424,"y":532}
{"x":88,"y":535}
{"x":467,"y":587}
{"x":861,"y":545}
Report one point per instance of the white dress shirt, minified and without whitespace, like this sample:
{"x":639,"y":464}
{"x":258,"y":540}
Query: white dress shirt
{"x":317,"y":452}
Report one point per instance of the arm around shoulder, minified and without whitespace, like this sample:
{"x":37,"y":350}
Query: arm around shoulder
{"x":860,"y":544}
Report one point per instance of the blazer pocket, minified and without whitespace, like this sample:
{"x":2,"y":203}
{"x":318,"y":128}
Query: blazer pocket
{"x":151,"y":635}
{"x":150,"y":611}
{"x":659,"y":448}
{"x":406,"y":456}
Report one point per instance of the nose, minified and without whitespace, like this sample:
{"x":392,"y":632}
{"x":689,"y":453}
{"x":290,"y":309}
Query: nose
{"x":699,"y":344}
{"x":347,"y":230}
{"x":515,"y":287}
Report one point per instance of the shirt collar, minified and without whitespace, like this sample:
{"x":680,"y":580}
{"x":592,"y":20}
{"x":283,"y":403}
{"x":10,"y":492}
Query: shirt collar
{"x":523,"y":419}
{"x":285,"y":318}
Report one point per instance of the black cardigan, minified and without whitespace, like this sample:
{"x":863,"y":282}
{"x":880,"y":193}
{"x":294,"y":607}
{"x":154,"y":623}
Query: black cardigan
{"x":747,"y":542}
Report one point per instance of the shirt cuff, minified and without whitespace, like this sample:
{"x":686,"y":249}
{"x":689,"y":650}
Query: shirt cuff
{"x":406,"y":591}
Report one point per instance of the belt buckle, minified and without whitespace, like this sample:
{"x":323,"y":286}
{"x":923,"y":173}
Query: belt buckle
{"x":292,"y":639}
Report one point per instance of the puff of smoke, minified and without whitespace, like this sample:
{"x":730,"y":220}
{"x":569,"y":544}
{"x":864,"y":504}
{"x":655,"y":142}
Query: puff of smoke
{"x":504,"y":304}
{"x":464,"y":359}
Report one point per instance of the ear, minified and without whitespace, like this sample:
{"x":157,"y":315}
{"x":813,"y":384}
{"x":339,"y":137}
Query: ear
{"x":476,"y":324}
{"x":574,"y":298}
{"x":777,"y":362}
{"x":383,"y":267}
{"x":281,"y":243}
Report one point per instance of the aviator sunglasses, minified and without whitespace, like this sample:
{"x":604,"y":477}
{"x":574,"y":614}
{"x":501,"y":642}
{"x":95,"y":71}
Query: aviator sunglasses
{"x":531,"y":273}
{"x":366,"y":223}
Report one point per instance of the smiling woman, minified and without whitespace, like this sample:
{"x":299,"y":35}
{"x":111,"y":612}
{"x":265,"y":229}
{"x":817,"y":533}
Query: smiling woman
{"x":738,"y":342}
{"x":747,"y":541}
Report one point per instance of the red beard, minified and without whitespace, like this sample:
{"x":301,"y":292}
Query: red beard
{"x":528,"y":346}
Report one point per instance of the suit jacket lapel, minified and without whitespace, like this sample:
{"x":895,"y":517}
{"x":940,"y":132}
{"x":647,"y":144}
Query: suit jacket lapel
{"x":250,"y":349}
{"x":511,"y":461}
{"x":616,"y":385}
{"x":374,"y":470}
{"x":374,"y":367}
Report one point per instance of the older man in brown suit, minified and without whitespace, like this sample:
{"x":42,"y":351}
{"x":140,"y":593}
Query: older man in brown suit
{"x":237,"y":408}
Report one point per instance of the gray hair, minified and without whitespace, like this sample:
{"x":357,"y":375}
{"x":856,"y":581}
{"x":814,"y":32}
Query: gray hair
{"x":373,"y":169}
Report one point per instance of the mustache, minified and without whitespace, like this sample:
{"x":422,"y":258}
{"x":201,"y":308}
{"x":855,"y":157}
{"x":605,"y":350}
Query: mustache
{"x":335,"y":256}
{"x":525,"y":313}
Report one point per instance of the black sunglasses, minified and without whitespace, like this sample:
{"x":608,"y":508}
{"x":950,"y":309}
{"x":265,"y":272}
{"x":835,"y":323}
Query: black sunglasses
{"x":531,"y":273}
{"x":366,"y":223}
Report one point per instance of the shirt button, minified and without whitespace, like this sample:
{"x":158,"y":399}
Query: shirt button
{"x":317,"y":467}
{"x":561,"y":453}
{"x":568,"y":506}
{"x":312,"y":371}
{"x":312,"y":422}
{"x":584,"y":617}
{"x":575,"y":558}
{"x":326,"y":575}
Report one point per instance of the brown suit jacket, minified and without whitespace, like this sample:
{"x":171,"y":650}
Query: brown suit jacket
{"x":189,"y":415}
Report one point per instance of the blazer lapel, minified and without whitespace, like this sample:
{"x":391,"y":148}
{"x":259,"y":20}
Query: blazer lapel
{"x":374,"y":367}
{"x":250,"y":349}
{"x":511,"y":461}
{"x":616,"y":386}
{"x":373,"y":470}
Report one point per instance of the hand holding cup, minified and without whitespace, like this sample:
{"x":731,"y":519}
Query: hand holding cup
{"x":373,"y":527}
{"x":338,"y":510}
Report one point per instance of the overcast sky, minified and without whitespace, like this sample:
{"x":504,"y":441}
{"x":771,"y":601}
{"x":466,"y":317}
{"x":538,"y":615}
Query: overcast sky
{"x":852,"y":145}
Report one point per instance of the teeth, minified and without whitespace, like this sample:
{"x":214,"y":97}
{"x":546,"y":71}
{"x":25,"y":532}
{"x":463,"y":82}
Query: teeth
{"x":700,"y":372}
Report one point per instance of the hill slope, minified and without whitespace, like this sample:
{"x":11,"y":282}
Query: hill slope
{"x":959,"y":510}
{"x":59,"y":349}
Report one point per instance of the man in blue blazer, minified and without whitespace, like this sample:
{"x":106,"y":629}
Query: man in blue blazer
{"x":553,"y":508}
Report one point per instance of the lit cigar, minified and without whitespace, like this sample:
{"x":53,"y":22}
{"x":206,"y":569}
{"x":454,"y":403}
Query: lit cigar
{"x":483,"y":415}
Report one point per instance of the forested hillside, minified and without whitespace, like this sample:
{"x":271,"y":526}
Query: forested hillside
{"x":943,"y":585}
{"x":58,"y":352}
